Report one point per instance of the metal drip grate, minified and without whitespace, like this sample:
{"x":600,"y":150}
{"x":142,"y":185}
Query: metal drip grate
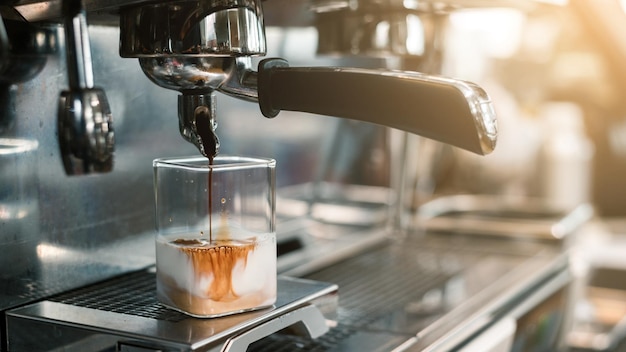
{"x":378,"y":282}
{"x":370,"y":284}
{"x":133,"y":294}
{"x":380,"y":292}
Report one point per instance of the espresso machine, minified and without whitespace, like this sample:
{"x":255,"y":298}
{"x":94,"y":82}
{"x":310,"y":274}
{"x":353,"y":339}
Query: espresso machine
{"x":90,"y":92}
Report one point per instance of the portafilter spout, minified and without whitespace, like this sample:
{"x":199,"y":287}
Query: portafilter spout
{"x":201,"y":47}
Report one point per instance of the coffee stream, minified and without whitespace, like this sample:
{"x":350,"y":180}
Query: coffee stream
{"x":210,"y":191}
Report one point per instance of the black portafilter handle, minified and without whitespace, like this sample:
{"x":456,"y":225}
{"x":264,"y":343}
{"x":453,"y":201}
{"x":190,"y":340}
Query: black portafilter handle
{"x":452,"y":111}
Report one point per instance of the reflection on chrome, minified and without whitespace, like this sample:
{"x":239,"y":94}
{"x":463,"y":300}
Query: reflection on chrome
{"x":12,"y":212}
{"x":10,"y":146}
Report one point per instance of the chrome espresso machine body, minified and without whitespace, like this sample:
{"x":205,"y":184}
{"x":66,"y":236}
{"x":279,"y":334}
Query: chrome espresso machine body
{"x":81,"y":124}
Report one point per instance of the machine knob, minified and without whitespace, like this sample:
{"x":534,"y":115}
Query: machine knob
{"x":85,"y":132}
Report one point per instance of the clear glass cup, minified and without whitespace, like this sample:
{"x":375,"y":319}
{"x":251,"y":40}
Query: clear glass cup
{"x":216,"y":237}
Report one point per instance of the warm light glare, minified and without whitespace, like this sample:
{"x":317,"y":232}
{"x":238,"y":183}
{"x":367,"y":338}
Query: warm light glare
{"x":381,"y":37}
{"x":411,"y":4}
{"x":12,"y":213}
{"x":499,"y":30}
{"x":475,"y":36}
{"x":10,"y":146}
{"x":415,"y":35}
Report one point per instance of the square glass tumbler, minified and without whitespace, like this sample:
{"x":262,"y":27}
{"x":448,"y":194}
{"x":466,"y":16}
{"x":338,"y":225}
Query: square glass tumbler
{"x":216,"y":237}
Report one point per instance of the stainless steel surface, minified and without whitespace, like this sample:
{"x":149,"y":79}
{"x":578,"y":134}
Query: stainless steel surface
{"x":546,"y":303}
{"x":192,"y":28}
{"x":286,"y":13}
{"x":23,"y":50}
{"x":23,"y":54}
{"x":307,"y":245}
{"x":437,"y":288}
{"x":331,"y":203}
{"x":599,"y":319}
{"x":501,"y":216}
{"x":418,"y":294}
{"x":428,"y":5}
{"x":308,"y":316}
{"x":95,"y":319}
{"x":366,"y":30}
{"x":19,"y":204}
{"x":408,"y":30}
{"x":72,"y":232}
{"x":69,"y":232}
{"x":600,"y":324}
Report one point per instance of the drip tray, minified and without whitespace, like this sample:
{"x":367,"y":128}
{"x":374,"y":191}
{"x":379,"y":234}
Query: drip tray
{"x":123,"y":315}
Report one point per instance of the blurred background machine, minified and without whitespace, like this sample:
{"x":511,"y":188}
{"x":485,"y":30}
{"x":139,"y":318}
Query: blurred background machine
{"x":430,"y":247}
